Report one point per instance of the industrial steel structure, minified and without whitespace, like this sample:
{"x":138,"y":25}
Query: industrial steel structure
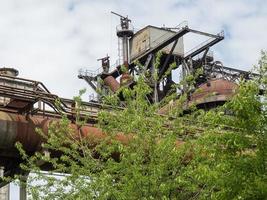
{"x":27,"y":104}
{"x":142,"y":51}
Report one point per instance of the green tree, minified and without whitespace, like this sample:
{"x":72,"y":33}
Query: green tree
{"x":201,"y":155}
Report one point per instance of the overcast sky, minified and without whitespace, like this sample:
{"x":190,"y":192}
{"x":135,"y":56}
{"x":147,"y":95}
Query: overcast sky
{"x":49,"y":40}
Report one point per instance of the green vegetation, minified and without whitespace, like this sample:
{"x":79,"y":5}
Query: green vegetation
{"x":222,"y":156}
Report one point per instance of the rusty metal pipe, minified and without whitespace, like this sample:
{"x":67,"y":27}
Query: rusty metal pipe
{"x":18,"y":128}
{"x":112,"y":83}
{"x":126,"y":78}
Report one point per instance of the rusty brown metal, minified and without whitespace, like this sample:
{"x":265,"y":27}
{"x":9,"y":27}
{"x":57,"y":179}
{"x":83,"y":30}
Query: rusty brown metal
{"x":8,"y":129}
{"x":216,"y":90}
{"x":125,"y":79}
{"x":18,"y":128}
{"x":208,"y":95}
{"x":112,"y":83}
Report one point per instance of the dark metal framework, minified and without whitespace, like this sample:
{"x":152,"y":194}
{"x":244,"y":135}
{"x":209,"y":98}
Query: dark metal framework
{"x":147,"y":59}
{"x":188,"y":62}
{"x":29,"y":98}
{"x":218,"y":70}
{"x":24,"y":96}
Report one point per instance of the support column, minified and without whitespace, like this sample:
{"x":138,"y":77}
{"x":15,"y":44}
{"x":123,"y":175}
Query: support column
{"x":4,"y":191}
{"x":154,"y":70}
{"x":23,"y":188}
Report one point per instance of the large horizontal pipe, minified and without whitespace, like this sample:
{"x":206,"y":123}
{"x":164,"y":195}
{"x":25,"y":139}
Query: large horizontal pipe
{"x":18,"y":128}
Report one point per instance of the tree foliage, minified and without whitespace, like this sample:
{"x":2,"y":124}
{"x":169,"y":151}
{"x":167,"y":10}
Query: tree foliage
{"x":201,"y":155}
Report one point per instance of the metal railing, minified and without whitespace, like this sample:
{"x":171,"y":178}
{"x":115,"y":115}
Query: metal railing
{"x":39,"y":94}
{"x":93,"y":97}
{"x":164,"y":36}
{"x":89,"y":73}
{"x":221,"y":34}
{"x":119,"y":28}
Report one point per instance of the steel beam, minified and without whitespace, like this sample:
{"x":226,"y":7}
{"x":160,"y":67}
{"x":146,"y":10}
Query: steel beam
{"x":4,"y":188}
{"x":164,"y":66}
{"x":206,"y":34}
{"x":23,"y":188}
{"x":203,"y":48}
{"x":90,"y":82}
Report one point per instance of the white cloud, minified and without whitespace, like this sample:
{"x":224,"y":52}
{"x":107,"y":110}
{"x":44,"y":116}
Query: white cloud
{"x":50,"y":40}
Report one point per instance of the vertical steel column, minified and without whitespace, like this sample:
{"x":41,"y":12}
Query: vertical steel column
{"x":125,"y":49}
{"x":4,"y":191}
{"x":154,"y":70}
{"x":23,"y":188}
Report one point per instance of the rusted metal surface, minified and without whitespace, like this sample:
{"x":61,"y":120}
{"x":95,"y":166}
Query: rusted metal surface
{"x":210,"y":94}
{"x":8,"y":130}
{"x":112,"y":83}
{"x":217,"y":90}
{"x":125,"y":79}
{"x":17,"y":104}
{"x":18,"y":95}
{"x":18,"y":128}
